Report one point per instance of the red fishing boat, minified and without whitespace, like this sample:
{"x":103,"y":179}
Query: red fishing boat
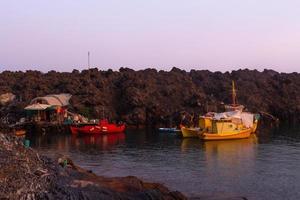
{"x":103,"y":127}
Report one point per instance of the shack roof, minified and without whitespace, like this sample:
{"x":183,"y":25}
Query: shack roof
{"x":53,"y":99}
{"x":37,"y":106}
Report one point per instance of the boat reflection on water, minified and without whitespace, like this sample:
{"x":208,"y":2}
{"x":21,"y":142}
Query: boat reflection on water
{"x":223,"y":161}
{"x":230,"y":148}
{"x":103,"y":142}
{"x":221,"y":147}
{"x":228,"y":161}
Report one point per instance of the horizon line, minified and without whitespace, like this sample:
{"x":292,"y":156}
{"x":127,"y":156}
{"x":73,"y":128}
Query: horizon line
{"x":147,"y":68}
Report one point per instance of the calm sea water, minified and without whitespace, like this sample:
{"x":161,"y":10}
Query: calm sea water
{"x":265,"y":166}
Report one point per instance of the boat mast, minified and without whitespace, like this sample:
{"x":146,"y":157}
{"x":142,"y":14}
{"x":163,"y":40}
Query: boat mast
{"x":233,"y":94}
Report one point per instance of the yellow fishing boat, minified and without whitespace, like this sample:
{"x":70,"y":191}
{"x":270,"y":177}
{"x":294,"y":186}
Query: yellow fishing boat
{"x":233,"y":124}
{"x":228,"y":125}
{"x":221,"y":129}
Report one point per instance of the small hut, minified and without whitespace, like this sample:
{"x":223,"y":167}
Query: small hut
{"x":50,"y":108}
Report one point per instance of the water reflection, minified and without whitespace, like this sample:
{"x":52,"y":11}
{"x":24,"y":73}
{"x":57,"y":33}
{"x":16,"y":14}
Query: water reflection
{"x":220,"y":147}
{"x":225,"y":147}
{"x":101,"y":142}
{"x":232,"y":157}
{"x":247,"y":167}
{"x":63,"y":143}
{"x":224,"y":154}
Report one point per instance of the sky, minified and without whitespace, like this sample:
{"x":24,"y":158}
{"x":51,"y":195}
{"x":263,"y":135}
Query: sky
{"x":218,"y":35}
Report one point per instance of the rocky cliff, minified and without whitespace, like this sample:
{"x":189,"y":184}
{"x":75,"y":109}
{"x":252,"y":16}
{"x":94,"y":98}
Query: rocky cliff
{"x":151,"y":97}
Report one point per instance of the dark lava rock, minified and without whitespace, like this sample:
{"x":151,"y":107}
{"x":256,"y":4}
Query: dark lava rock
{"x":151,"y":97}
{"x":24,"y":174}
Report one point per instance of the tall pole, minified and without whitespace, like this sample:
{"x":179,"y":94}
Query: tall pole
{"x":233,"y":94}
{"x":88,"y":59}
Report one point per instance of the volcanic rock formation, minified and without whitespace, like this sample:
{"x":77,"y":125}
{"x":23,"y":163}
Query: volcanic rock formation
{"x":151,"y":97}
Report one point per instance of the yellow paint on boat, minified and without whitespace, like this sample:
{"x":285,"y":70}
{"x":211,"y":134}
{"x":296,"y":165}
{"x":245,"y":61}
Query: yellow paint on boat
{"x":254,"y":126}
{"x":189,"y":132}
{"x":226,"y":130}
{"x":238,"y":134}
{"x":205,"y":123}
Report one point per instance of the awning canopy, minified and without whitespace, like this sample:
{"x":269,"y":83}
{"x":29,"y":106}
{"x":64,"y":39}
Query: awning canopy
{"x":37,"y":106}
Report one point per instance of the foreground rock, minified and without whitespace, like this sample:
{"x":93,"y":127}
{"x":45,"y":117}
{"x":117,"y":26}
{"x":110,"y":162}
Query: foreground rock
{"x":26,"y":175}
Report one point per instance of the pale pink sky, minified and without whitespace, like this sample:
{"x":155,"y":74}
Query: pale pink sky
{"x":192,"y":34}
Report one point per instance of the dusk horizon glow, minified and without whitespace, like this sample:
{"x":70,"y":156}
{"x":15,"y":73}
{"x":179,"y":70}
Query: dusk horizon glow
{"x":201,"y":35}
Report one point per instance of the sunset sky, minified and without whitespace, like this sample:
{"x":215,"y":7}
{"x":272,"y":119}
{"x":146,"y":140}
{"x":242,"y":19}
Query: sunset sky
{"x":217,"y":35}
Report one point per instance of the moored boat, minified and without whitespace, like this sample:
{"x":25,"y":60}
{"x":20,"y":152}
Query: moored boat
{"x":103,"y":127}
{"x":233,"y":124}
{"x":169,"y":130}
{"x":228,"y":125}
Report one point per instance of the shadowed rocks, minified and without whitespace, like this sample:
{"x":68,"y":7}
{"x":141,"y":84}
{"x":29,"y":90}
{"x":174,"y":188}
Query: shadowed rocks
{"x":151,"y":97}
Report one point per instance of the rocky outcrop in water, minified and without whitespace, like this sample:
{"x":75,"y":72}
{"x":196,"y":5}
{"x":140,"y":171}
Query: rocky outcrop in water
{"x":150,"y":97}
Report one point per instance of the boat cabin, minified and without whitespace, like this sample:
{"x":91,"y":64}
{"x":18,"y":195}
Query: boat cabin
{"x":227,"y":122}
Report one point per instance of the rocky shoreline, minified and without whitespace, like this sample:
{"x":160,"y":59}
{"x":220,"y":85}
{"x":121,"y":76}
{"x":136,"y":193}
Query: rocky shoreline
{"x":150,"y":97}
{"x":24,"y":174}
